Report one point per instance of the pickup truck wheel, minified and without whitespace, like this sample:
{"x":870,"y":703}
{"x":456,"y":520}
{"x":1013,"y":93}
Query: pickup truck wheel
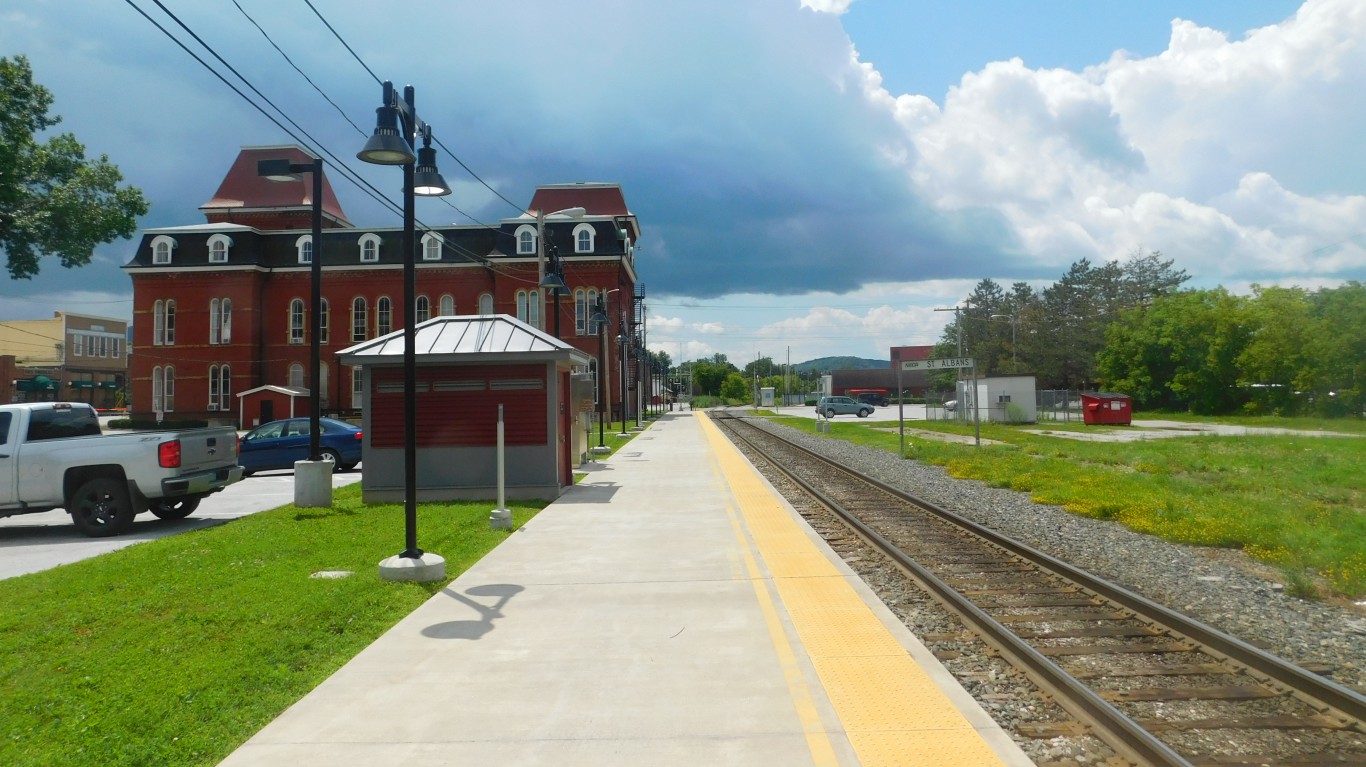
{"x":101,"y":508}
{"x":174,"y":508}
{"x":332,"y":457}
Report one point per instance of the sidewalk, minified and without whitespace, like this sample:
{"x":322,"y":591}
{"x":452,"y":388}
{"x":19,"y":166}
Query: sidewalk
{"x":635,"y":621}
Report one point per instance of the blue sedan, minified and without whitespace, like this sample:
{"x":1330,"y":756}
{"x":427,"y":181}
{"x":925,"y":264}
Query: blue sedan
{"x":278,"y":444}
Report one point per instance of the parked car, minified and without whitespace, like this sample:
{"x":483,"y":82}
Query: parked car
{"x":278,"y":444}
{"x":833,"y":406}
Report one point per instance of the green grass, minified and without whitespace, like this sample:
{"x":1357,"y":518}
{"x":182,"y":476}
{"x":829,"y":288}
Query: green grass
{"x":1295,"y":502}
{"x":175,"y":651}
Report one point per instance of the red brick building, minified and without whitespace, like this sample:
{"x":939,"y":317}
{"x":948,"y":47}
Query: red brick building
{"x":223,"y":307}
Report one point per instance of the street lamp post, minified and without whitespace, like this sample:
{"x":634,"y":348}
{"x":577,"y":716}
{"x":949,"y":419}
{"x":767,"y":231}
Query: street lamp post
{"x":621,"y":364}
{"x":390,"y":147}
{"x":313,"y":484}
{"x":600,"y":318}
{"x":552,"y":273}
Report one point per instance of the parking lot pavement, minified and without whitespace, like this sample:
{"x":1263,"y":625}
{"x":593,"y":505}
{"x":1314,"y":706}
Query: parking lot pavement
{"x":30,"y":543}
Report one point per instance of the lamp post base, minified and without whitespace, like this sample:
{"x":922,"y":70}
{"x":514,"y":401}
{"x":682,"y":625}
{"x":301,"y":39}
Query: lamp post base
{"x":313,"y":484}
{"x":500,"y":519}
{"x":428,"y":567}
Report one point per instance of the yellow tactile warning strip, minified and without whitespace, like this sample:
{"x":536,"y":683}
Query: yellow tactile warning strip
{"x":891,"y":711}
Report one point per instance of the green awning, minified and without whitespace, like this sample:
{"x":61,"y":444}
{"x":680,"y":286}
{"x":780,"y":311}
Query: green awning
{"x":81,"y":384}
{"x":109,"y":384}
{"x":37,"y":383}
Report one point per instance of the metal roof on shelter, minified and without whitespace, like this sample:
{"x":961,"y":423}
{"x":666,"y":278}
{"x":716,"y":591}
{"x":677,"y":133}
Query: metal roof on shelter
{"x":468,"y":338}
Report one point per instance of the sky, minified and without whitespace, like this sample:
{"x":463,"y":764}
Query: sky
{"x":812,"y":177}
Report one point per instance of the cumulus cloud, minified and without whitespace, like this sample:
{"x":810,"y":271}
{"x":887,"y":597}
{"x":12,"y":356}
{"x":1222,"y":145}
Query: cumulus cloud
{"x":1236,"y":157}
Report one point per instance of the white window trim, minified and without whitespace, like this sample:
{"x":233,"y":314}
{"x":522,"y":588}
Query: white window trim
{"x":426,"y":247}
{"x":157,"y":258}
{"x":299,"y":244}
{"x":517,"y":236}
{"x":486,"y":304}
{"x":297,"y":332}
{"x":592,"y":238}
{"x":227,"y":248}
{"x":446,"y":298}
{"x":369,"y":237}
{"x":384,"y":306}
{"x":422,"y":305}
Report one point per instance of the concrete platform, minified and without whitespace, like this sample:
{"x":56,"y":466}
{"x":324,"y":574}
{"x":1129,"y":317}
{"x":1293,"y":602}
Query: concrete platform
{"x":671,"y":609}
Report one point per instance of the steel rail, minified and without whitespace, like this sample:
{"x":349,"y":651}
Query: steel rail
{"x":1318,"y":691}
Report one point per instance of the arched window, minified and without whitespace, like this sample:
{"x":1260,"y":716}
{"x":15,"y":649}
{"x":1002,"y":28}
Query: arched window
{"x":369,"y":248}
{"x":592,"y":309}
{"x":431,"y":246}
{"x":296,"y":321}
{"x":358,"y":320}
{"x":296,"y":375}
{"x":521,"y":305}
{"x":581,"y":310}
{"x":225,"y":320}
{"x":305,"y":247}
{"x":158,"y":390}
{"x":447,"y":306}
{"x":224,"y":388}
{"x":324,"y":314}
{"x":384,"y":316}
{"x":422,"y":308}
{"x":219,"y":244}
{"x":485,"y":304}
{"x":158,"y":323}
{"x":163,"y":389}
{"x":357,"y":387}
{"x":161,"y":249}
{"x":584,"y":235}
{"x":167,"y":323}
{"x":213,"y":387}
{"x":533,"y":309}
{"x":216,"y":319}
{"x":526,"y":240}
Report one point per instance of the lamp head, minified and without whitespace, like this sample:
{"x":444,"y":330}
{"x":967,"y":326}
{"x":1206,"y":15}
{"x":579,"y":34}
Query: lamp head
{"x":427,"y":180}
{"x":277,"y":170}
{"x":552,"y":281}
{"x":386,"y":146}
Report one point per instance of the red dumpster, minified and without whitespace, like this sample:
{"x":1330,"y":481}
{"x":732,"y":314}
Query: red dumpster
{"x":1099,"y":407}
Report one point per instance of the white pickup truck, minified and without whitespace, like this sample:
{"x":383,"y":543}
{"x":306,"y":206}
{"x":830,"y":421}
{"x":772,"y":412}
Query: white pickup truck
{"x":52,"y":455}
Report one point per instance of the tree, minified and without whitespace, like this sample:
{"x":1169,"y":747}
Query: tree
{"x":736,"y":387}
{"x":53,"y":201}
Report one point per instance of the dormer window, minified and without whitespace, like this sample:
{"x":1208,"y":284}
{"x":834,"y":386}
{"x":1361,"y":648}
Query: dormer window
{"x":583,"y":238}
{"x":526,"y":240}
{"x":369,"y":248}
{"x":431,"y":246}
{"x":161,"y":249}
{"x":219,"y":244}
{"x":305,"y":247}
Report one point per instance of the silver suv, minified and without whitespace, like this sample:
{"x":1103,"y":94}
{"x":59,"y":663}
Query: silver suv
{"x":833,"y":406}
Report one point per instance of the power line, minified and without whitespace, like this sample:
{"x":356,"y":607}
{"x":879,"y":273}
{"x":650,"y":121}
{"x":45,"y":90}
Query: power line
{"x":340,"y":40}
{"x":296,"y":67}
{"x":462,"y":164}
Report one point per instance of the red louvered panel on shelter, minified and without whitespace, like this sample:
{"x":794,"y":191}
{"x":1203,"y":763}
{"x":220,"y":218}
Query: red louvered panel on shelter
{"x":458,"y":407}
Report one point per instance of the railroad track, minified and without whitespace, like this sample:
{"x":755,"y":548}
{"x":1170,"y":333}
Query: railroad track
{"x":1154,"y":685}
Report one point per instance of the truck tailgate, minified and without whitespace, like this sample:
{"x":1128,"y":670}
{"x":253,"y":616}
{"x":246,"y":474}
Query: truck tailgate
{"x":202,"y":449}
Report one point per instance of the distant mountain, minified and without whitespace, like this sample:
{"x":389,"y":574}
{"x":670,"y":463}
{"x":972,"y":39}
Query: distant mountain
{"x":827,"y":364}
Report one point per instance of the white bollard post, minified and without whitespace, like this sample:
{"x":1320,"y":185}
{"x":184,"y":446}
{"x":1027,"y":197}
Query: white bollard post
{"x":500,"y":518}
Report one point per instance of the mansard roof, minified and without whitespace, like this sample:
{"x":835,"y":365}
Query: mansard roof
{"x":244,"y":191}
